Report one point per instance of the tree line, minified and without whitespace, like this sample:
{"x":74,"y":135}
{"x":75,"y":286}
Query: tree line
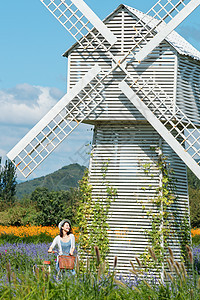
{"x":44,"y":207}
{"x":41,"y":207}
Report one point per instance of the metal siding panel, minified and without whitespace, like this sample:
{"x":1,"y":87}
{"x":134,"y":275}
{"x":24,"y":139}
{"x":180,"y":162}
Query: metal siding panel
{"x":126,"y":147}
{"x":188,"y":88}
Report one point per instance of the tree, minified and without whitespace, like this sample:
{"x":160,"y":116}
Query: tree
{"x":74,"y":202}
{"x":194,"y":207}
{"x":51,"y":205}
{"x":7,"y":182}
{"x":194,"y":196}
{"x":193,"y":181}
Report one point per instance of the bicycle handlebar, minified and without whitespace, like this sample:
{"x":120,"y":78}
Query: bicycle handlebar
{"x":53,"y":252}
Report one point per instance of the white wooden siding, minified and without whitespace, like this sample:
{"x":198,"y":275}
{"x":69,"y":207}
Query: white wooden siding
{"x":127,"y":148}
{"x":188,"y":88}
{"x":159,"y":66}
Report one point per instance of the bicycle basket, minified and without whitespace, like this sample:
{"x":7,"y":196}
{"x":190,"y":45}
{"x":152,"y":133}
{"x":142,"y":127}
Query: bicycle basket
{"x":66,"y":262}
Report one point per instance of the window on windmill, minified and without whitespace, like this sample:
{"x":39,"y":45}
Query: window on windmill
{"x":128,"y":170}
{"x":123,"y":154}
{"x":128,"y":163}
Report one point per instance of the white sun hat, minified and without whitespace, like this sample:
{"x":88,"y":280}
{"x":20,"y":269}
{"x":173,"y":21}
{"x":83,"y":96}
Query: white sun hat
{"x":62,"y":223}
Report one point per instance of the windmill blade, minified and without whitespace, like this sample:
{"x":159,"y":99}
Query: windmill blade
{"x":79,"y":20}
{"x":159,"y":22}
{"x":172,"y":124}
{"x":58,"y":123}
{"x":73,"y":108}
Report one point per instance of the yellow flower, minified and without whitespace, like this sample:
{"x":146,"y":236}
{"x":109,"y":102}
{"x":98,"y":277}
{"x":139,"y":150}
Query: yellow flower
{"x":25,"y":231}
{"x":195,"y":231}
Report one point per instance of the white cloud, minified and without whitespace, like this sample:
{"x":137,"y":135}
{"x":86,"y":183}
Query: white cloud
{"x":26,"y":104}
{"x":21,"y":108}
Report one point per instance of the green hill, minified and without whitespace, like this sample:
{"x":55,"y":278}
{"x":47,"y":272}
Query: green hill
{"x":68,"y":176}
{"x":62,"y":179}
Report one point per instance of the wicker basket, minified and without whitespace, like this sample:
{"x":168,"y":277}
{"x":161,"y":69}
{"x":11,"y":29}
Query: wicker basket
{"x":66,"y":262}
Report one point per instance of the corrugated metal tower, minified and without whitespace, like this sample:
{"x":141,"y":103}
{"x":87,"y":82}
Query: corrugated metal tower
{"x":138,"y":82}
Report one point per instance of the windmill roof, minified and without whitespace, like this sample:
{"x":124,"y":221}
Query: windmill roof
{"x":174,"y":39}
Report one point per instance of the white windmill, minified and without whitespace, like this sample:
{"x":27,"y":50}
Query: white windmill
{"x":138,"y":82}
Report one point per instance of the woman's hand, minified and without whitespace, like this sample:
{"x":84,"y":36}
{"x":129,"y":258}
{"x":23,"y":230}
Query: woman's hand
{"x":49,"y":250}
{"x":71,"y":251}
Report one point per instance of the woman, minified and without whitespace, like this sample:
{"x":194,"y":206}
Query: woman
{"x":65,"y":241}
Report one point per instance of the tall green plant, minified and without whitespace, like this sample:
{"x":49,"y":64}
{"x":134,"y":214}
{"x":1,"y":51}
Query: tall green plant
{"x":92,"y":216}
{"x":164,"y":198}
{"x":161,"y":214}
{"x":84,"y":213}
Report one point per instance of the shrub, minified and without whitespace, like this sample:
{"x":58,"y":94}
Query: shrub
{"x":194,"y":195}
{"x":51,"y":206}
{"x":17,"y":215}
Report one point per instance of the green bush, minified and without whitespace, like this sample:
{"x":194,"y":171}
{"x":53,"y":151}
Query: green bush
{"x":196,"y":240}
{"x":17,"y":214}
{"x":194,"y":196}
{"x":51,"y":206}
{"x":43,"y":207}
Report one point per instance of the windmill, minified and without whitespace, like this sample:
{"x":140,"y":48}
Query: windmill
{"x":127,"y":77}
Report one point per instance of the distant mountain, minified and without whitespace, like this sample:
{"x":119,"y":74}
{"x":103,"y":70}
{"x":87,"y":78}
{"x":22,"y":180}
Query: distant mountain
{"x":20,"y":180}
{"x":69,"y":176}
{"x":62,"y":179}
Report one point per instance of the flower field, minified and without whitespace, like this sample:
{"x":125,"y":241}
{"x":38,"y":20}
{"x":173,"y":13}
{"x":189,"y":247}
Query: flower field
{"x":25,"y":231}
{"x":52,"y":231}
{"x":31,"y":231}
{"x":19,"y":281}
{"x":21,"y":257}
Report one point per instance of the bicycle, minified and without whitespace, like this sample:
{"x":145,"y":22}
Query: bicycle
{"x":44,"y":267}
{"x":66,"y":263}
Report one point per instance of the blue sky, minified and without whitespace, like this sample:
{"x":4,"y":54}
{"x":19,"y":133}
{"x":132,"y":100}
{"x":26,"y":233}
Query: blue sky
{"x":33,"y":73}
